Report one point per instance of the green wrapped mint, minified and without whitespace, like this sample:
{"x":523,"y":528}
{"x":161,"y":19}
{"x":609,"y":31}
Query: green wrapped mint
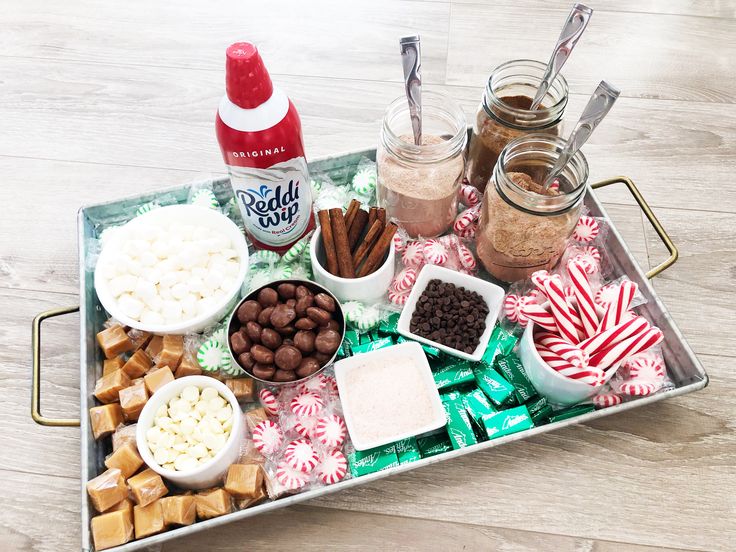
{"x":501,"y":343}
{"x":351,"y":338}
{"x":363,"y":462}
{"x":539,"y":410}
{"x":571,"y":412}
{"x":390,"y":325}
{"x":477,"y":405}
{"x":372,"y":345}
{"x":508,"y":421}
{"x":458,"y":424}
{"x":493,"y":385}
{"x":434,"y":444}
{"x":453,"y":375}
{"x":511,"y":368}
{"x":407,"y":450}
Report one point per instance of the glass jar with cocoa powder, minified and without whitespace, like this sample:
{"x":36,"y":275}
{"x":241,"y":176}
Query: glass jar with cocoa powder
{"x":418,"y":184}
{"x":504,"y":114}
{"x":523,"y":227}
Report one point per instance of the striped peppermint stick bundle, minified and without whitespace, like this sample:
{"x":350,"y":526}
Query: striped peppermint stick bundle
{"x":614,"y":355}
{"x":616,"y":309}
{"x":584,"y":297}
{"x":587,"y":374}
{"x":540,"y":316}
{"x":571,"y":353}
{"x":560,"y":309}
{"x":613,"y":335}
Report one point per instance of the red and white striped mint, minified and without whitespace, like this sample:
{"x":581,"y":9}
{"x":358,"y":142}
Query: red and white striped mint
{"x":268,"y":401}
{"x":404,"y":280}
{"x":647,"y":368}
{"x":468,"y":195}
{"x":330,"y":431}
{"x":306,"y":404}
{"x":314,"y":384}
{"x":466,"y":218}
{"x":332,"y":387}
{"x":300,"y":455}
{"x":513,"y":308}
{"x":333,"y":468}
{"x":413,"y":257}
{"x":554,"y":186}
{"x":399,"y":245}
{"x":304,"y":426}
{"x":606,"y":294}
{"x":469,"y":232}
{"x":398,"y":298}
{"x":590,"y":256}
{"x":586,"y":230}
{"x":267,"y":437}
{"x":536,"y":296}
{"x":604,"y":400}
{"x":467,"y":259}
{"x":638,"y":388}
{"x":290,"y":478}
{"x":434,"y":252}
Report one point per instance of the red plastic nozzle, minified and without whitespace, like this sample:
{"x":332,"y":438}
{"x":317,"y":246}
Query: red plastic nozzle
{"x":247,"y":81}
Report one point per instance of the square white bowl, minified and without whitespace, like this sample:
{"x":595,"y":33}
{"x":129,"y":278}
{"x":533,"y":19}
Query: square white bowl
{"x":380,"y":390}
{"x":491,"y":294}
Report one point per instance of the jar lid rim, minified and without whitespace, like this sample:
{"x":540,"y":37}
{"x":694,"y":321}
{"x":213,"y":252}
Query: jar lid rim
{"x":559,"y":78}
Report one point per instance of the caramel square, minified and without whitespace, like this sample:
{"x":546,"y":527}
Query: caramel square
{"x":254,"y":417}
{"x":107,"y":489}
{"x":105,"y":419}
{"x":133,"y":399}
{"x":244,"y":480}
{"x":114,"y":341}
{"x":138,"y":364}
{"x":158,"y":378}
{"x":188,"y":366}
{"x":213,"y":503}
{"x":171,"y":351}
{"x":179,"y":510}
{"x":126,"y":459}
{"x":123,"y":434}
{"x":109,"y":365}
{"x":112,"y":529}
{"x":126,"y":505}
{"x":248,"y":502}
{"x":149,"y":519}
{"x":243,"y":388}
{"x":153,"y":349}
{"x":139,"y":338}
{"x":108,"y":387}
{"x":146,"y":487}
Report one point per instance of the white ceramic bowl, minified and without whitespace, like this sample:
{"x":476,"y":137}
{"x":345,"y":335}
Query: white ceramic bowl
{"x":557,"y":388}
{"x":367,"y":289}
{"x":491,"y":293}
{"x":193,"y":214}
{"x":206,"y":475}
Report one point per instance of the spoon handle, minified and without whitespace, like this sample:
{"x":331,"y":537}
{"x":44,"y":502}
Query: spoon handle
{"x":599,"y":105}
{"x":411,"y":59}
{"x":571,"y":33}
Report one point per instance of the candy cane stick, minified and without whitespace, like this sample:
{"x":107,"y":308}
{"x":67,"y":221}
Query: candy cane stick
{"x":560,"y":309}
{"x":637,"y":343}
{"x":576,"y":320}
{"x":574,"y":355}
{"x":584,"y":297}
{"x":553,"y":360}
{"x":612,"y":336}
{"x":538,"y":278}
{"x":616,"y":309}
{"x":539,"y":315}
{"x":590,"y":375}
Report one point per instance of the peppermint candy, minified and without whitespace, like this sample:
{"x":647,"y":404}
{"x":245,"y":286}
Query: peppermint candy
{"x":290,"y":478}
{"x":330,"y":431}
{"x":405,"y":280}
{"x":638,"y":388}
{"x":212,"y":356}
{"x":268,"y":401}
{"x":646,"y":368}
{"x":605,"y":295}
{"x":435,"y":252}
{"x":591,"y":258}
{"x":413,"y":257}
{"x":314,"y":384}
{"x":468,"y":195}
{"x":332,"y":387}
{"x":586,"y":230}
{"x":398,"y":298}
{"x":466,"y":257}
{"x":554,"y":186}
{"x":398,"y":244}
{"x":352,"y":310}
{"x":369,"y":319}
{"x":305,"y":426}
{"x":469,"y":232}
{"x":511,"y":307}
{"x":604,"y":400}
{"x":267,"y":437}
{"x":295,"y":251}
{"x":536,"y":296}
{"x":300,"y":455}
{"x":147,"y":207}
{"x":205,"y":198}
{"x":306,"y":404}
{"x":263,"y":257}
{"x":333,"y":468}
{"x":465,"y":219}
{"x":364,"y":181}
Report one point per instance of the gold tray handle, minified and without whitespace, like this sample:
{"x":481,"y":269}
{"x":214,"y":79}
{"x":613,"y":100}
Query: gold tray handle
{"x":36,"y":389}
{"x":651,"y":217}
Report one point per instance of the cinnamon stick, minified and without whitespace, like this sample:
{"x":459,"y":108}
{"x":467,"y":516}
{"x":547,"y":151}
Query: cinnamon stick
{"x":351,"y":212}
{"x":328,"y":242}
{"x":370,"y":238}
{"x":342,"y":247}
{"x":378,"y":251}
{"x":381,"y":215}
{"x":356,"y":230}
{"x":372,"y":215}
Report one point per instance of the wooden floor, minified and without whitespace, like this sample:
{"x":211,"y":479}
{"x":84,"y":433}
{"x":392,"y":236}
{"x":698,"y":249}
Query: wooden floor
{"x":105,"y":99}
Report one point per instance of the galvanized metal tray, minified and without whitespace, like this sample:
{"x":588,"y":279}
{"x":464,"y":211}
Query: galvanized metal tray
{"x":684,"y":368}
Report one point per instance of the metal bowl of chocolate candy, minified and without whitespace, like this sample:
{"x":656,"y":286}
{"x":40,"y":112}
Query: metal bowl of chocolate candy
{"x":286,"y":331}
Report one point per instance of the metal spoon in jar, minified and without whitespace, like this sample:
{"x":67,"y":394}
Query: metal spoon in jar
{"x":571,"y":33}
{"x":599,"y":105}
{"x":411,"y":59}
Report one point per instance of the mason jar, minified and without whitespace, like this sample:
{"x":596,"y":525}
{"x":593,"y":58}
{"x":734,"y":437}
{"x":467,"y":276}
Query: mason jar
{"x":523,"y":227}
{"x":418,"y":184}
{"x":504,"y":114}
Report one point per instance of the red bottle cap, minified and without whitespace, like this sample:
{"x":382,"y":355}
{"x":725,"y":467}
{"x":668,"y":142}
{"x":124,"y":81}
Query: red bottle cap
{"x":247,"y":82}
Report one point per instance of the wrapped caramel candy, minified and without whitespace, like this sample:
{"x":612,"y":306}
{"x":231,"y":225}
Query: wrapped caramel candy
{"x":248,"y":502}
{"x":105,"y":419}
{"x":158,"y":378}
{"x":109,"y":365}
{"x":126,"y":505}
{"x":243,"y":388}
{"x":146,"y":487}
{"x":114,"y":341}
{"x":244,"y":480}
{"x":139,"y":338}
{"x":172,"y":351}
{"x":255,"y":416}
{"x":124,"y":434}
{"x":188,"y":366}
{"x":107,"y":489}
{"x":108,"y":387}
{"x":153,"y":349}
{"x":249,"y":454}
{"x":149,"y":519}
{"x":112,"y":529}
{"x":179,"y":510}
{"x":133,"y":399}
{"x":138,"y":364}
{"x":213,"y":503}
{"x":126,"y":459}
